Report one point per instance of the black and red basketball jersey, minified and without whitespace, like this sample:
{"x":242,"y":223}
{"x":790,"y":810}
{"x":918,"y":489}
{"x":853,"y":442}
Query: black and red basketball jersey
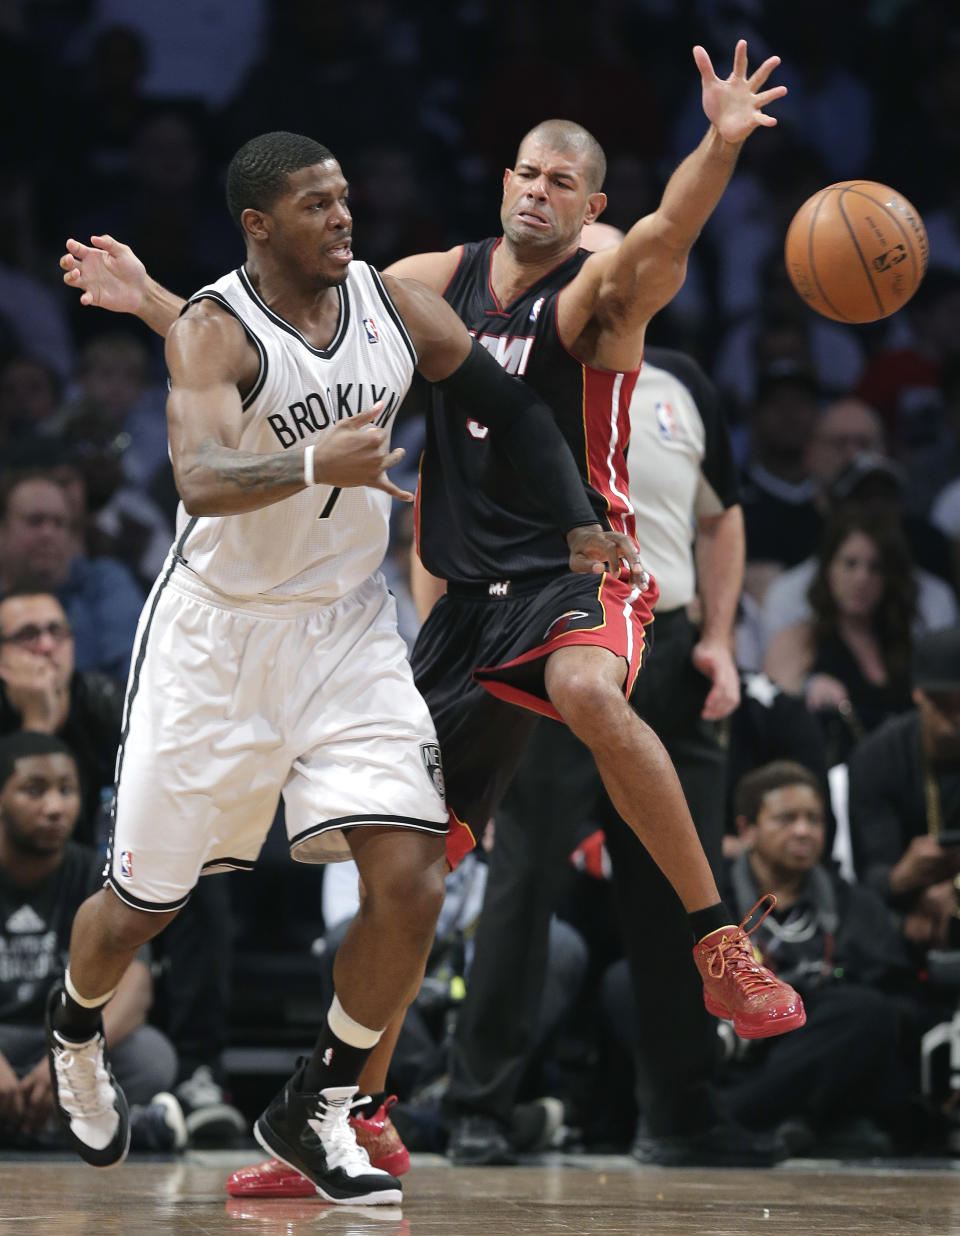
{"x":476,"y":518}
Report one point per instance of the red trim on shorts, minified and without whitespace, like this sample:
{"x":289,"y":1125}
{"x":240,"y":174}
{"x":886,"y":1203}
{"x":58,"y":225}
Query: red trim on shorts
{"x":460,"y":839}
{"x":624,"y":636}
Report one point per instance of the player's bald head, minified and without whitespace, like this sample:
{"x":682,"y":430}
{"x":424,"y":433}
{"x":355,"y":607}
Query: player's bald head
{"x":571,"y":139}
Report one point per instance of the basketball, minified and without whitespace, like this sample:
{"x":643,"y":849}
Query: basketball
{"x":856,"y":251}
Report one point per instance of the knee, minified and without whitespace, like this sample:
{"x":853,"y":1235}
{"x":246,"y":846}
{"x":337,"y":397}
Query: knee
{"x":120,"y":927}
{"x":410,"y":894}
{"x":588,"y":704}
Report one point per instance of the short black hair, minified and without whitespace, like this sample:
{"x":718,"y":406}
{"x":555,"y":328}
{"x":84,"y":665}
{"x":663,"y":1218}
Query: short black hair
{"x":24,"y":743}
{"x":258,"y":172}
{"x":754,"y":786}
{"x":567,"y":135}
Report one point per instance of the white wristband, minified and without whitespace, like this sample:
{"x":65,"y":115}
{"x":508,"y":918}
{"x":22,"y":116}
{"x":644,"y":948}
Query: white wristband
{"x":308,"y":477}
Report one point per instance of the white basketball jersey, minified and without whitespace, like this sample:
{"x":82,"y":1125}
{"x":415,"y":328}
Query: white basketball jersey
{"x":321,"y":543}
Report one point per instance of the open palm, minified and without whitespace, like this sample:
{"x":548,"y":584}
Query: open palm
{"x":734,"y":105}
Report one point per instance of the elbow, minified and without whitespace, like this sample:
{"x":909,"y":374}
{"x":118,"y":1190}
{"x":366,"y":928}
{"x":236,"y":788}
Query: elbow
{"x":194,"y":495}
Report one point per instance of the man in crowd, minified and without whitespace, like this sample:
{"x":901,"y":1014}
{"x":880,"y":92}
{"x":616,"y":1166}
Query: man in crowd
{"x":37,"y":548}
{"x":839,"y":945}
{"x":44,"y":877}
{"x":905,"y":798}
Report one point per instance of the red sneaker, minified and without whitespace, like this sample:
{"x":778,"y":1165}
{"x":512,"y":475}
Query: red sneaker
{"x":737,"y":987}
{"x":271,"y":1178}
{"x":377,"y":1134}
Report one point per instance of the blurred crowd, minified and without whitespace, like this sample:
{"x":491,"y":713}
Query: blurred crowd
{"x":125,"y":115}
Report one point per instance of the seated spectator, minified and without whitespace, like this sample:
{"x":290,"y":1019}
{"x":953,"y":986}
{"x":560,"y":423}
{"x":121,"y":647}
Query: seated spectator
{"x":839,"y":946}
{"x":101,"y":599}
{"x":905,"y":799}
{"x":42,"y":690}
{"x":44,"y":878}
{"x":871,"y":484}
{"x":769,"y":724}
{"x":851,"y":659}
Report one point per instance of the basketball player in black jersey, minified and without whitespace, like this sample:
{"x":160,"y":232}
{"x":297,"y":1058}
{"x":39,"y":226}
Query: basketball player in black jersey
{"x":517,"y":635}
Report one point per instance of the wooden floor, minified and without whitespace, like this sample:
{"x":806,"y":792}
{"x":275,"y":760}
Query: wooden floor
{"x":587,"y":1196}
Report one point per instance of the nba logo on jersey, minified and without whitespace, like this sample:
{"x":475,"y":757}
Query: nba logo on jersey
{"x":370,"y":326}
{"x":668,"y":426}
{"x":535,"y":311}
{"x":126,"y":864}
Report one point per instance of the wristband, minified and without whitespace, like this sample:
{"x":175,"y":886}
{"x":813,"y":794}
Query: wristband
{"x":308,"y":477}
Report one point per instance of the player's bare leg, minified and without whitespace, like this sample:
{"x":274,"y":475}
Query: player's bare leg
{"x":585,"y":685}
{"x":106,"y":937}
{"x":381,"y":957}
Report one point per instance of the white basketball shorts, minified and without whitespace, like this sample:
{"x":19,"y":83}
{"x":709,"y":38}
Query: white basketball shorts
{"x":227,"y":708}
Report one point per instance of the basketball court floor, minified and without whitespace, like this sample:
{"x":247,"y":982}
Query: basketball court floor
{"x":551,"y":1196}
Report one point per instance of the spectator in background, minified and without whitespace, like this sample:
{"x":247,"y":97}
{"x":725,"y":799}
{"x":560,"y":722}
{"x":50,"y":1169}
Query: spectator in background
{"x":851,"y":659}
{"x":905,"y":799}
{"x":101,"y":599}
{"x":872,"y":484}
{"x":40,"y":690}
{"x":121,"y":520}
{"x":30,"y":394}
{"x":779,"y":512}
{"x":839,"y":945}
{"x":44,"y":878}
{"x":114,"y":384}
{"x":204,"y":53}
{"x":33,"y":313}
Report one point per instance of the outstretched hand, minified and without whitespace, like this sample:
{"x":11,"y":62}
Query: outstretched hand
{"x":108,"y":273}
{"x":593,"y":551}
{"x":355,"y":453}
{"x":734,"y":105}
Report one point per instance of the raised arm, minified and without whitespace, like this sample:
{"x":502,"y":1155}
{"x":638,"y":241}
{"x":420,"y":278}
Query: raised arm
{"x":621,"y":288}
{"x":526,"y":429}
{"x":211,"y":362}
{"x":111,"y":276}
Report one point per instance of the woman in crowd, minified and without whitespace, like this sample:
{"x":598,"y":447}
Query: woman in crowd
{"x":851,"y":659}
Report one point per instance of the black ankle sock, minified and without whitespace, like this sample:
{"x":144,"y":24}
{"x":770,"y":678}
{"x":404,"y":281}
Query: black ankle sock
{"x":702,"y":922}
{"x":73,"y":1021}
{"x":333,"y":1063}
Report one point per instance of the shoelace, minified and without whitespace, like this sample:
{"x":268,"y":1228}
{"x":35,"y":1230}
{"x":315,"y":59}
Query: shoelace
{"x":331,"y":1124}
{"x":733,"y":953}
{"x":82,"y":1081}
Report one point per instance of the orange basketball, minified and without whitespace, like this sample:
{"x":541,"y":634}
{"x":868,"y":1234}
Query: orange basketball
{"x":856,"y":251}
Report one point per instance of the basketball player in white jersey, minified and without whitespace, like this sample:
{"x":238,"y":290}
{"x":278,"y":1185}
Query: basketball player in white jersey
{"x":267,"y":658}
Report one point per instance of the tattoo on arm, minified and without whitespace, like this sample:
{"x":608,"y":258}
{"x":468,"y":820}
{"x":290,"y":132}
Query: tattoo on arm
{"x":248,"y":471}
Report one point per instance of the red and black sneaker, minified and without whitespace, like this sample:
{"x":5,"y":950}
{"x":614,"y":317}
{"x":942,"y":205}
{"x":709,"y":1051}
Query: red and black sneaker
{"x":737,"y":988}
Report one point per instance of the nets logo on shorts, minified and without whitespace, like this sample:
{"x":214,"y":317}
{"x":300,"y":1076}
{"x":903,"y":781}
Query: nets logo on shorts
{"x":430,"y":754}
{"x":126,"y":864}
